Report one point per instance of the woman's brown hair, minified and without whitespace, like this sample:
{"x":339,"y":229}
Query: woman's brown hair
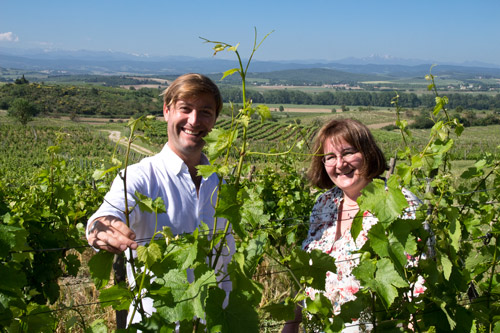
{"x":355,"y":134}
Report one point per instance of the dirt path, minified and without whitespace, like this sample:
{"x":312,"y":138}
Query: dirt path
{"x":380,"y":125}
{"x":116,"y":135}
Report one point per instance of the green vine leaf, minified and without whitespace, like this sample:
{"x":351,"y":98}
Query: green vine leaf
{"x":447,"y":266}
{"x":149,"y":254}
{"x":184,"y":254}
{"x":382,"y":277}
{"x":386,"y":205}
{"x":119,"y":296}
{"x":187,"y":298}
{"x":281,"y":311}
{"x":454,"y":229}
{"x":442,"y":305}
{"x":386,"y":246}
{"x":97,"y":326}
{"x":229,"y":208}
{"x":313,"y":265}
{"x":264,"y":112}
{"x":206,"y":170}
{"x":100,"y":173}
{"x":218,"y":141}
{"x":100,"y":268}
{"x":229,"y":72}
{"x":238,"y":316}
{"x":240,"y":267}
{"x":12,"y":238}
{"x":254,"y":252}
{"x":320,"y":305}
{"x":252,"y":209}
{"x":357,"y":224}
{"x":147,"y":204}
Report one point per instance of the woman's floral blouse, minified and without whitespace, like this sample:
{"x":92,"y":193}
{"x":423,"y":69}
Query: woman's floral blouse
{"x":342,"y":286}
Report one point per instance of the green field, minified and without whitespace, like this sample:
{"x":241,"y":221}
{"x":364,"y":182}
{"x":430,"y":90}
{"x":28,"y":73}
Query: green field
{"x":85,"y":146}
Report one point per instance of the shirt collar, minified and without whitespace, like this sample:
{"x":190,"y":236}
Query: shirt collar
{"x":174,"y":163}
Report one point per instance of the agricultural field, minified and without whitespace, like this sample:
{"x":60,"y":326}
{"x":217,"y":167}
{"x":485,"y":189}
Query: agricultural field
{"x":46,"y":175}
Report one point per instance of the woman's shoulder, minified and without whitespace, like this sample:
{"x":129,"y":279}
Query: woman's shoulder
{"x":331,"y":193}
{"x":328,"y":200}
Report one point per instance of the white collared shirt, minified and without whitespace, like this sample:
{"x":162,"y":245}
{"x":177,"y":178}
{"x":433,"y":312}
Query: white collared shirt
{"x":166,"y":175}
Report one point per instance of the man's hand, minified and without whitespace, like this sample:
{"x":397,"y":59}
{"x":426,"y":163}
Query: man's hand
{"x":111,"y":234}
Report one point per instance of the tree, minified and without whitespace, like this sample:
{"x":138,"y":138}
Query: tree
{"x":21,"y":81}
{"x":23,"y":110}
{"x":282,"y":108}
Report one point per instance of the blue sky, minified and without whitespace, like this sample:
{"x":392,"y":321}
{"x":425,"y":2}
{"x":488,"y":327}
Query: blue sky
{"x":442,"y":31}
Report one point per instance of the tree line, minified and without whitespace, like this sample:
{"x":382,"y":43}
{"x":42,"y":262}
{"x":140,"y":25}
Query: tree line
{"x":85,"y":100}
{"x":361,"y":98}
{"x":82,"y":100}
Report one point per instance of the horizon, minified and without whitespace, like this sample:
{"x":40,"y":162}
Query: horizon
{"x":318,"y":31}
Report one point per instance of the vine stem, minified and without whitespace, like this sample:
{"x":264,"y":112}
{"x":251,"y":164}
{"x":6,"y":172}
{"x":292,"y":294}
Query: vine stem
{"x":398,"y":118}
{"x":143,"y":276}
{"x":127,"y":219}
{"x":374,"y":321}
{"x":242,"y":151}
{"x":492,"y":275}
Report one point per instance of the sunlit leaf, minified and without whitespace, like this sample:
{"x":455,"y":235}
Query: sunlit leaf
{"x":149,"y":254}
{"x":447,"y":266}
{"x":234,"y":48}
{"x":386,"y":205}
{"x":264,"y":112}
{"x":218,"y":141}
{"x":229,"y":72}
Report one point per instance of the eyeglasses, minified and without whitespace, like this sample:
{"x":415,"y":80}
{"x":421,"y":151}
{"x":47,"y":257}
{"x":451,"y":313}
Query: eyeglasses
{"x":331,"y":159}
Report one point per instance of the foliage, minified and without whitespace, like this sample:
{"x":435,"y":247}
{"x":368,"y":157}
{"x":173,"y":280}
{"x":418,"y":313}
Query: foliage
{"x":21,"y":80}
{"x":106,"y":80}
{"x":89,"y":101}
{"x":442,"y":237}
{"x":38,"y":226}
{"x":23,"y":151}
{"x":23,"y":110}
{"x":360,"y":98}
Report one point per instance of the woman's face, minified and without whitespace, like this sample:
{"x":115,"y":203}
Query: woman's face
{"x":343,"y":164}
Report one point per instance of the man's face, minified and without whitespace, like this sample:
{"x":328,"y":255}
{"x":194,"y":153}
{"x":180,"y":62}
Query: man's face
{"x":189,"y":120}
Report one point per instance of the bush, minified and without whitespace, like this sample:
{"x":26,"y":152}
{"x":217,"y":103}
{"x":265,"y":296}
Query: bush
{"x":423,"y":121}
{"x":4,"y":105}
{"x":23,"y":110}
{"x":390,"y":127}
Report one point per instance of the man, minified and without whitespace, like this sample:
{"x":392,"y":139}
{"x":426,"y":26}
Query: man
{"x":191,"y":106}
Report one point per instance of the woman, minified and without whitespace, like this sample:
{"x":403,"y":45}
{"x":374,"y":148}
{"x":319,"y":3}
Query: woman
{"x":346,"y":159}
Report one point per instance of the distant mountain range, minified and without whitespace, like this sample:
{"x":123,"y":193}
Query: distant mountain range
{"x":116,"y":63}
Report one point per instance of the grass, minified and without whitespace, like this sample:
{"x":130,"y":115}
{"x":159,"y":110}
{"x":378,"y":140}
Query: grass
{"x":80,"y":296}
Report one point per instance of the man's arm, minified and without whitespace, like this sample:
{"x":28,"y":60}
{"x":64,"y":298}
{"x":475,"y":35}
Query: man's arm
{"x":110,"y":234}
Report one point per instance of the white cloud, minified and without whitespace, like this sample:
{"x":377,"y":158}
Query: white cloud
{"x":8,"y":37}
